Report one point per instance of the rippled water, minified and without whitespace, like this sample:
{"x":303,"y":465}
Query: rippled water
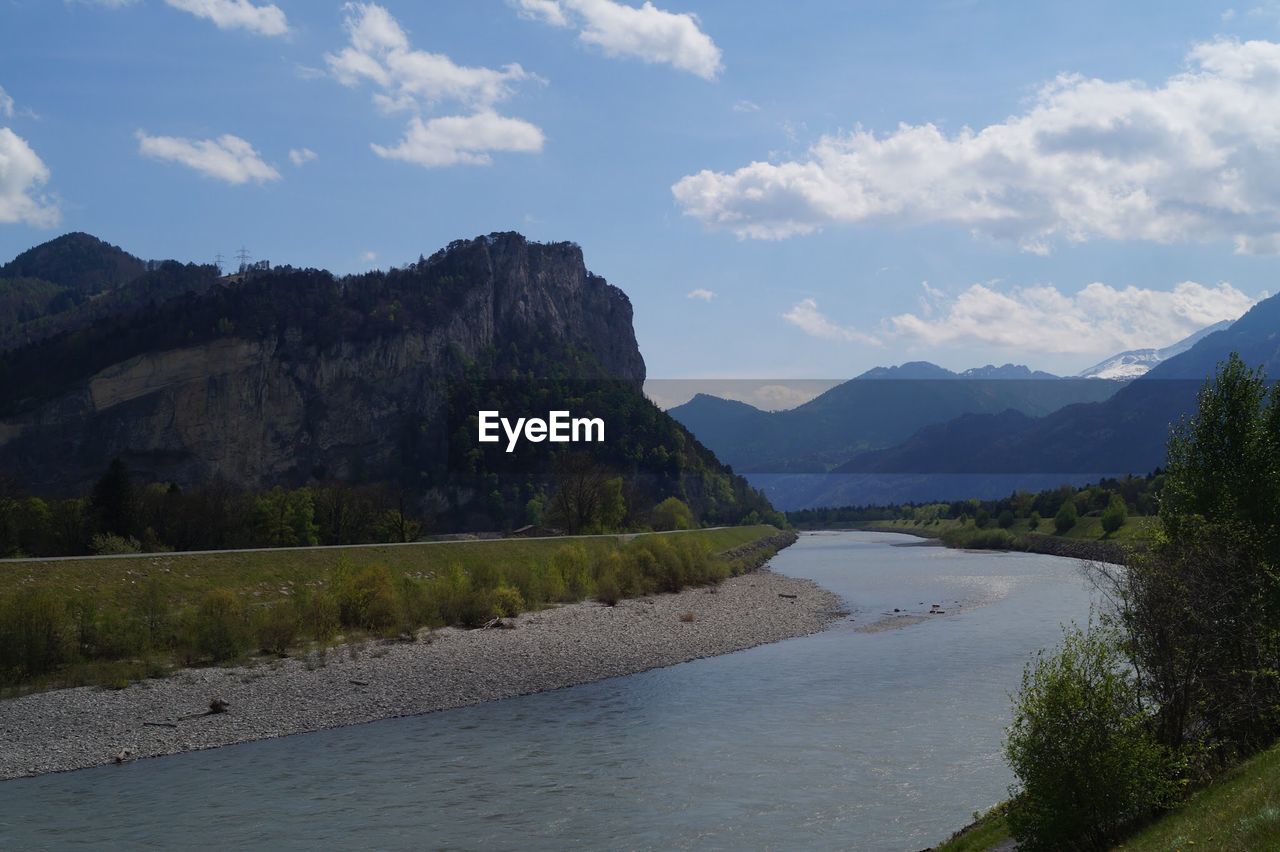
{"x":846,"y":739}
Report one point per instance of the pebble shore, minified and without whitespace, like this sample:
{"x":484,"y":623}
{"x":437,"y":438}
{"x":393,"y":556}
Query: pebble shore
{"x":550,"y":649}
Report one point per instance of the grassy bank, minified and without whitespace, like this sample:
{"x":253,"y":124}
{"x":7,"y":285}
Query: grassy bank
{"x":1086,"y":540}
{"x":1238,"y":812}
{"x":112,"y":621}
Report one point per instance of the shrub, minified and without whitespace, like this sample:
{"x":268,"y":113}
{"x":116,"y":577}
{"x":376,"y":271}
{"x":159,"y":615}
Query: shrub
{"x":1005,"y":520}
{"x":319,"y":614}
{"x":1066,"y":517}
{"x":277,"y":627}
{"x":368,"y":599}
{"x":107,"y":544}
{"x":1082,"y":748}
{"x":607,"y":590}
{"x":477,"y":608}
{"x":1034,"y":522}
{"x":36,"y":635}
{"x":981,"y":519}
{"x":508,"y":600}
{"x":219,"y":630}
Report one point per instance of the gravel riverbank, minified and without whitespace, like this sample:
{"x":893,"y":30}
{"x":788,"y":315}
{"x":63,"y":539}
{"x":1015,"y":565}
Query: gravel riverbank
{"x":554,"y":648}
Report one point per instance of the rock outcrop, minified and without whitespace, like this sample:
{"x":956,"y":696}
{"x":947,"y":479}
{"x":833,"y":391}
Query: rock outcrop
{"x":259,"y":408}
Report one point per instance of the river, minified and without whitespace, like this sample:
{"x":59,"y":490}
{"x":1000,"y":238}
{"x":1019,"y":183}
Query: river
{"x":848,"y":739}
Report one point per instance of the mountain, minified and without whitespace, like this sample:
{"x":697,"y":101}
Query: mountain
{"x":880,"y":408}
{"x":927,"y":370}
{"x":72,"y":281}
{"x":287,"y":376}
{"x":1126,"y":433}
{"x":1136,"y":362}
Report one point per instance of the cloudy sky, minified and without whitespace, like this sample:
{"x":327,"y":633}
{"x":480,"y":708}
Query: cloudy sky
{"x":802,"y":189}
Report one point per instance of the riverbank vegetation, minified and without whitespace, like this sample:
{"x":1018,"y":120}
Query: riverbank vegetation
{"x":1114,"y":510}
{"x":114,"y":620}
{"x":1179,"y":680}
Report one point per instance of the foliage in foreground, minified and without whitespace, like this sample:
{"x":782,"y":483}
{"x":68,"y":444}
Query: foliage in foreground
{"x":54,"y":634}
{"x":1083,"y":749}
{"x":1107,"y":728}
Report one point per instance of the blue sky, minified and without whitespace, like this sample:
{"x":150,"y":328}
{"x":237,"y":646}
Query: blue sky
{"x":802,"y":189}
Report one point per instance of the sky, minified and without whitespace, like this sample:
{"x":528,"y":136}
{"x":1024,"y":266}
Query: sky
{"x":784,"y":190}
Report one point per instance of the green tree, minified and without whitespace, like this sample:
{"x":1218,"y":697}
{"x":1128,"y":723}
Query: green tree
{"x":1082,"y":749}
{"x":1066,"y":517}
{"x":114,"y":501}
{"x":1116,"y":513}
{"x":1034,"y":522}
{"x":672,"y":514}
{"x":1006,"y":519}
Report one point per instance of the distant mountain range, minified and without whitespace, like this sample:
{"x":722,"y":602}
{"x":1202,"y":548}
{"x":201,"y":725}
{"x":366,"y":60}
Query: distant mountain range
{"x":1137,"y":362}
{"x":878,"y":409}
{"x":918,"y":431}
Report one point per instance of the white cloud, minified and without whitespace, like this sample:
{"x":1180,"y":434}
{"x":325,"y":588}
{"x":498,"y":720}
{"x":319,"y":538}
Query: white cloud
{"x":369,"y":256}
{"x":6,"y":104}
{"x":301,"y":156}
{"x":700,"y":293}
{"x":547,"y":11}
{"x":746,"y":106}
{"x":268,"y":20}
{"x":646,"y":32}
{"x":805,"y":316}
{"x":1099,"y":319}
{"x":1189,"y":159}
{"x":462,"y":140}
{"x":227,"y":158}
{"x":22,"y":174}
{"x":379,"y":52}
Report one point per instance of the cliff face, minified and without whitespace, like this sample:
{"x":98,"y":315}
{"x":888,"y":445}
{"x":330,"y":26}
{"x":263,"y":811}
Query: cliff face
{"x":282,"y":406}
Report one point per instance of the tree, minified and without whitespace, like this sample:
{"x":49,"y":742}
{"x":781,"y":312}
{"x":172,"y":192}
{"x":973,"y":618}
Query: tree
{"x":672,"y":514}
{"x":1066,"y":517}
{"x":981,"y":519}
{"x":1114,"y":516}
{"x":1006,"y":519}
{"x":114,"y":501}
{"x":584,"y":497}
{"x":1082,"y":749}
{"x":1034,"y":522}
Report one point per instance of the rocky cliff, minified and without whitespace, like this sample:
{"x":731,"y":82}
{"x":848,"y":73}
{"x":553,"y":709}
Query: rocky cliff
{"x":292,"y":375}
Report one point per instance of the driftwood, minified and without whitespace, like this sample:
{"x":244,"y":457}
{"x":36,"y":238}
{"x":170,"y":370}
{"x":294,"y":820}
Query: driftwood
{"x":785,"y":595}
{"x":160,"y":724}
{"x":216,"y":706}
{"x":359,"y":682}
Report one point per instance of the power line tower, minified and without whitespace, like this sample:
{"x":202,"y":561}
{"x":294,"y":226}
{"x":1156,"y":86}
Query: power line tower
{"x":217,"y":262}
{"x":243,"y":257}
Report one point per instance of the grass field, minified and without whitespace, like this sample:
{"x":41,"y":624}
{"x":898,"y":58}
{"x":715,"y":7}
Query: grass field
{"x":1239,"y":812}
{"x":263,"y":573}
{"x":111,"y":621}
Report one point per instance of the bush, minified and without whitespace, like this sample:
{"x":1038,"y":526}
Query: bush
{"x":367,"y":599}
{"x":1005,"y":520}
{"x":607,"y":590}
{"x":1082,"y":748}
{"x":1034,"y":522}
{"x":981,"y":519}
{"x":36,"y":635}
{"x":277,"y":627}
{"x":319,"y":614}
{"x":106,"y":544}
{"x":1066,"y":517}
{"x":219,"y":630}
{"x":508,"y":600}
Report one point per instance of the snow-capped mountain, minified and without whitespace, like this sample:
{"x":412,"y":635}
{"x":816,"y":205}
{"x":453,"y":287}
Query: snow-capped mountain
{"x":1136,"y":362}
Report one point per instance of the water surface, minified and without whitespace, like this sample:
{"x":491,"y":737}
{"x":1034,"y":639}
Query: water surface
{"x":845,"y":739}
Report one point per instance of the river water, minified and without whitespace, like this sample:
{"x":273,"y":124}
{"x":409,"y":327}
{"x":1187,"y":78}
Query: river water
{"x":852,"y":738}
